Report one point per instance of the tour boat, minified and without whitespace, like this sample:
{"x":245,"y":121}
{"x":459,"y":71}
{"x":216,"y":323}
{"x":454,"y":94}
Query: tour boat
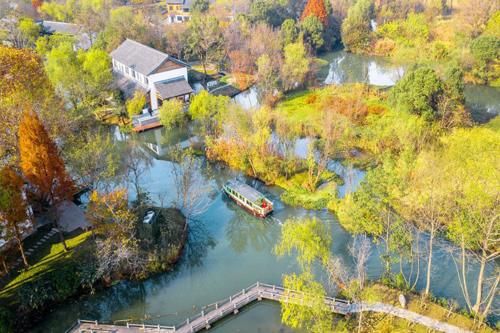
{"x":248,"y":198}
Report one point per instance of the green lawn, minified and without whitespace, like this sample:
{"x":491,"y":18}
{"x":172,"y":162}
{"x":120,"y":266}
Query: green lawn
{"x":53,"y":255}
{"x":301,"y":109}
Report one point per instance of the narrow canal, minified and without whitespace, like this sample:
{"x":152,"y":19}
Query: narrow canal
{"x":228,"y":249}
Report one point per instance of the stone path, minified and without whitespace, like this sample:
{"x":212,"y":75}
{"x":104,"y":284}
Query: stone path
{"x":408,"y":315}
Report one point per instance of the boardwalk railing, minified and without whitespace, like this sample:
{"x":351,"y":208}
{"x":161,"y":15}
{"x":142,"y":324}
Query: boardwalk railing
{"x":258,"y":291}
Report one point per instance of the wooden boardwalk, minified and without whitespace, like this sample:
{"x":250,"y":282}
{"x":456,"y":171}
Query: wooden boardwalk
{"x":256,"y":292}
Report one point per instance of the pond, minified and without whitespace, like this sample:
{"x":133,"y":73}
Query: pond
{"x":343,"y":67}
{"x":228,"y":250}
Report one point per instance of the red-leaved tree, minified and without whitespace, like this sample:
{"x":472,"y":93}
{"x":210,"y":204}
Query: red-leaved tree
{"x":42,"y":165}
{"x":315,"y":8}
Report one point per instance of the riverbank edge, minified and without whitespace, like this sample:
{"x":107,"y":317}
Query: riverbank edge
{"x":16,"y":320}
{"x":432,"y":307}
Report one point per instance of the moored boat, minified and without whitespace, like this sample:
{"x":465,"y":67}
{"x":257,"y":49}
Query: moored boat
{"x":249,"y":198}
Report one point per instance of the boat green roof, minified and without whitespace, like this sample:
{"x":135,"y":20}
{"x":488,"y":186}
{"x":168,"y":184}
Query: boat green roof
{"x":245,"y":190}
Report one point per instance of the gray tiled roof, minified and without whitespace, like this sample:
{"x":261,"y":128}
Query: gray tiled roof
{"x":141,"y":58}
{"x":83,"y":39}
{"x":61,"y":27}
{"x":173,"y":88}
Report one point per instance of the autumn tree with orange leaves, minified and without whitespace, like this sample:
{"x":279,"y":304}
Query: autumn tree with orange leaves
{"x":315,"y":8}
{"x":42,"y":166}
{"x":13,"y":209}
{"x":24,"y":84}
{"x":36,"y":4}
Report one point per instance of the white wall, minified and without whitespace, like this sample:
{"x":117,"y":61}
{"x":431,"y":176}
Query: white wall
{"x":130,"y":73}
{"x":159,"y":77}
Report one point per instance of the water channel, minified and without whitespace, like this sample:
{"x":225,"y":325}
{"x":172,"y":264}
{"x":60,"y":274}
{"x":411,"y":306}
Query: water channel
{"x":228,"y":249}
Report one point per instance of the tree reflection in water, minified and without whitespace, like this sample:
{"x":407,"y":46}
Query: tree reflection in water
{"x":198,"y":243}
{"x":245,"y":230}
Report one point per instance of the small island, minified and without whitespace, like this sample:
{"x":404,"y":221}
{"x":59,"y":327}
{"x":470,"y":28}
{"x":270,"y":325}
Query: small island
{"x":165,"y":164}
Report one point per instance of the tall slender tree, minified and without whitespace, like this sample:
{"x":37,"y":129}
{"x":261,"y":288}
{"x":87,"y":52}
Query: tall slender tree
{"x":13,"y":209}
{"x":42,"y":166}
{"x":315,"y":8}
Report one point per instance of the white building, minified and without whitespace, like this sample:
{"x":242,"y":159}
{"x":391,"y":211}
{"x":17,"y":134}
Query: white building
{"x":178,"y":11}
{"x":155,"y":72}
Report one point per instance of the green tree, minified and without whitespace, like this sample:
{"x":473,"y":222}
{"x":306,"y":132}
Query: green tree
{"x":81,"y":77}
{"x":124,"y":23}
{"x":356,"y":26}
{"x":271,"y":12}
{"x":96,"y":66}
{"x":29,"y":32}
{"x":208,"y":110}
{"x":172,"y":113}
{"x":295,"y":67}
{"x":469,"y":160}
{"x":493,"y":25}
{"x":486,"y":51}
{"x":201,"y":5}
{"x":313,"y":32}
{"x":310,"y":239}
{"x":45,"y":44}
{"x":313,"y":314}
{"x":372,"y":208}
{"x":418,"y":92}
{"x":485,"y":48}
{"x":289,"y":31}
{"x":57,"y":11}
{"x":425,"y":202}
{"x":93,"y":158}
{"x":267,"y":76}
{"x":205,"y":40}
{"x":136,"y":104}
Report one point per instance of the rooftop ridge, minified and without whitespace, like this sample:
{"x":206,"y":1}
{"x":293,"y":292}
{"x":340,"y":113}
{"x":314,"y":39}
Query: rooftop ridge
{"x":149,"y":47}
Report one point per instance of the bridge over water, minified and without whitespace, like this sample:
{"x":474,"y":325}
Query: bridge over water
{"x":256,"y":292}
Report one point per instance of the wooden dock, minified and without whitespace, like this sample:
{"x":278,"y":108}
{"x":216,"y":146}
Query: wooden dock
{"x":257,"y":292}
{"x":144,"y":127}
{"x":146,"y":121}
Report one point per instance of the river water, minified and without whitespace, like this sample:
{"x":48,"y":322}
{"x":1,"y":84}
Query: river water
{"x":228,"y":249}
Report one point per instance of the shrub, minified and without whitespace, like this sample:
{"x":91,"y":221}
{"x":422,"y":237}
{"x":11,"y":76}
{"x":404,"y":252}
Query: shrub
{"x":136,"y":104}
{"x":384,"y":47}
{"x":172,"y":113}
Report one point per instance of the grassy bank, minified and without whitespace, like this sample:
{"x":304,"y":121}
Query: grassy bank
{"x":52,"y":256}
{"x":296,"y":193}
{"x":57,"y":275}
{"x":374,"y":322}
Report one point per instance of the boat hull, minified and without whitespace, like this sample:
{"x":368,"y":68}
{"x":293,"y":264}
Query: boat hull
{"x":249,"y":210}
